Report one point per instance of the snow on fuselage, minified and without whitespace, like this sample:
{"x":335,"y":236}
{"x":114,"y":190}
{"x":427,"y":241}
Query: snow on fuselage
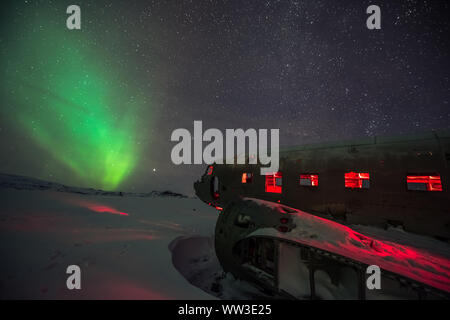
{"x":417,"y":264}
{"x":423,"y":263}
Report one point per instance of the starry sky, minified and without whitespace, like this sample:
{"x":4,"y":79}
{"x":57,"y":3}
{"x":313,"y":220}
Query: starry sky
{"x":96,"y":107}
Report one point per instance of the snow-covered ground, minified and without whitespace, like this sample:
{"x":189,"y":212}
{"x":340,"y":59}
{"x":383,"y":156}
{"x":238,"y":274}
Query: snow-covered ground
{"x":196,"y":260}
{"x":120,"y":243}
{"x":158,"y":245}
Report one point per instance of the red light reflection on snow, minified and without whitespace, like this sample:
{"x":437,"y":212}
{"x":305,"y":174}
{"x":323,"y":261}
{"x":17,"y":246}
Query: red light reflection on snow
{"x":103,"y":208}
{"x":420,"y":264}
{"x":95,"y":206}
{"x":415,"y":263}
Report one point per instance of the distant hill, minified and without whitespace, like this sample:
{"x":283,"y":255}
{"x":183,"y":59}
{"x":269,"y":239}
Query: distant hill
{"x":26,"y":183}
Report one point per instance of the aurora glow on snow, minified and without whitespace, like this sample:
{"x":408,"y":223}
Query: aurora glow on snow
{"x":72,"y":104}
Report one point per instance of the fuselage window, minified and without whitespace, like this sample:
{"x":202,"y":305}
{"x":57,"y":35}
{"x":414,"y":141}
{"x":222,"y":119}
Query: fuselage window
{"x":215,"y":187}
{"x":274,"y":182}
{"x":261,"y":254}
{"x":247,"y":177}
{"x":357,"y":180}
{"x":309,"y":180}
{"x":269,"y":255}
{"x":424,"y":183}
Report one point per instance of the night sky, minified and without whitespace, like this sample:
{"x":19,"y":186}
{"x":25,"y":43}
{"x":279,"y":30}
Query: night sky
{"x":96,"y":107}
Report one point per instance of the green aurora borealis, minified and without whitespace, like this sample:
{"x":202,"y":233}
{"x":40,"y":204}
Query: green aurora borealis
{"x":62,"y":93}
{"x":96,"y":107}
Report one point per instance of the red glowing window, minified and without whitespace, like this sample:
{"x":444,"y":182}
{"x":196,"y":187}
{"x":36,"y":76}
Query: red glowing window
{"x":210,"y":170}
{"x":357,"y":180}
{"x":424,"y":183}
{"x":274,"y":182}
{"x":247,"y":177}
{"x":309,"y":180}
